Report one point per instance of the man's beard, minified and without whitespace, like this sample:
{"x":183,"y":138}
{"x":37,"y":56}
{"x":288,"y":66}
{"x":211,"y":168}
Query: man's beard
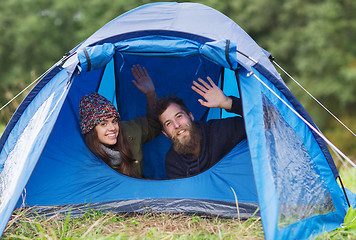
{"x":188,"y":146}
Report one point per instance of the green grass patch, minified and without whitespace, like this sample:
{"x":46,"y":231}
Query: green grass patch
{"x":99,"y":225}
{"x":346,"y":231}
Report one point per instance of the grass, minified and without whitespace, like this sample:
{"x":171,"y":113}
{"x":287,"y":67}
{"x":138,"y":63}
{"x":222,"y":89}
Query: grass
{"x":346,"y":231}
{"x":348,"y":228}
{"x":99,"y":225}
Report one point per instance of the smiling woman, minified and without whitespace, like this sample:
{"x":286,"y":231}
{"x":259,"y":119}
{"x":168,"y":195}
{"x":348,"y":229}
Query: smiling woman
{"x":108,"y":130}
{"x":99,"y":122}
{"x":105,"y":136}
{"x":119,"y":144}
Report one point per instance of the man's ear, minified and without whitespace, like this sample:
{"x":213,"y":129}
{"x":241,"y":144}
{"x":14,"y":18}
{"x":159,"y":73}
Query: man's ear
{"x":164,"y":132}
{"x":191,"y":116}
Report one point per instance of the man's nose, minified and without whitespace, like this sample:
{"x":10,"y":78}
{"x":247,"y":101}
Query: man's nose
{"x":176,"y":124}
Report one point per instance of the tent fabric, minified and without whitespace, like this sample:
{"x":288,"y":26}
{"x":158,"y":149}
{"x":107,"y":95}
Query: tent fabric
{"x":220,"y":52}
{"x":282,"y":172}
{"x":286,"y":161}
{"x":201,"y":206}
{"x":26,"y":141}
{"x":199,"y":22}
{"x":296,"y":104}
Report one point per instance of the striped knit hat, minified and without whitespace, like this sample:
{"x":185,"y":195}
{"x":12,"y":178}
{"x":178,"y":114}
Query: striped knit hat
{"x":93,"y":109}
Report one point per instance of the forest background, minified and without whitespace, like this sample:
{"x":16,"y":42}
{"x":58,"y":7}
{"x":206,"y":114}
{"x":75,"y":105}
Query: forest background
{"x":314,"y":41}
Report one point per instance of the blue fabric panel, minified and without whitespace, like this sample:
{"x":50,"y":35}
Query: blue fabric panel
{"x":230,"y":88}
{"x":154,"y":157}
{"x":95,"y":57}
{"x":321,"y":168}
{"x":108,"y":84}
{"x":220,"y":52}
{"x":253,"y":115}
{"x":267,"y":194}
{"x":300,"y":109}
{"x":156,"y":32}
{"x":158,"y":45}
{"x":311,"y":227}
{"x":25,"y":142}
{"x":77,"y":176}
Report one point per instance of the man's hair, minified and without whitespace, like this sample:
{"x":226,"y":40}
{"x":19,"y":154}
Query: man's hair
{"x":162,"y":104}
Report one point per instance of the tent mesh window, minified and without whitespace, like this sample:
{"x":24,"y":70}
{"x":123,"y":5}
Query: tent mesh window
{"x":301,"y":192}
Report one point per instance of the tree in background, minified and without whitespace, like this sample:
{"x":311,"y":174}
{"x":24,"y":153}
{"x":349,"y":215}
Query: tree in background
{"x":312,"y":40}
{"x":37,"y":33}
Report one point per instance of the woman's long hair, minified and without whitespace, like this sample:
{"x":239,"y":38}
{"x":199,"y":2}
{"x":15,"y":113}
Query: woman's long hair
{"x":122,"y":145}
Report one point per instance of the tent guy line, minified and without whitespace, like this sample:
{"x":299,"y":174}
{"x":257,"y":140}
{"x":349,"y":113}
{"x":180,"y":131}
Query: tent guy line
{"x":22,"y":91}
{"x":306,"y":122}
{"x":314,"y":98}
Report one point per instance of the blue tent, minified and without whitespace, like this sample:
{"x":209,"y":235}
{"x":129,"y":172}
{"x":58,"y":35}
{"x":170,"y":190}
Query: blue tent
{"x":282,"y":172}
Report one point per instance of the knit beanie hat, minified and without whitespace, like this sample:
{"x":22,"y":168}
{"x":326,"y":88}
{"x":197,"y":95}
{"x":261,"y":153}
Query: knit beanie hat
{"x":93,"y":109}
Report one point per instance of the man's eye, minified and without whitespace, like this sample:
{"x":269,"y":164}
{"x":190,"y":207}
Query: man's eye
{"x":168,"y":123}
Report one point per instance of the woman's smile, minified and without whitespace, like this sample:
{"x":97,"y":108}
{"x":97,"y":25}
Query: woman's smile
{"x":107,"y":131}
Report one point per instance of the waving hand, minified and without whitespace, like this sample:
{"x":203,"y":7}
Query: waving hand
{"x":144,"y":83}
{"x":213,"y":95}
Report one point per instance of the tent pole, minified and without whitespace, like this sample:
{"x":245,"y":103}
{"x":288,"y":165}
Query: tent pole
{"x":343,"y":189}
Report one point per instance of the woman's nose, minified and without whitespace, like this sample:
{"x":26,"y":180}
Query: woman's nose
{"x":111,"y":126}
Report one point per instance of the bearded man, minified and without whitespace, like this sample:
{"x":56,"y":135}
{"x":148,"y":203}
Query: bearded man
{"x":197,"y":146}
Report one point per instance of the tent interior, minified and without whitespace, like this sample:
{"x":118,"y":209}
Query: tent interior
{"x":66,"y":152}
